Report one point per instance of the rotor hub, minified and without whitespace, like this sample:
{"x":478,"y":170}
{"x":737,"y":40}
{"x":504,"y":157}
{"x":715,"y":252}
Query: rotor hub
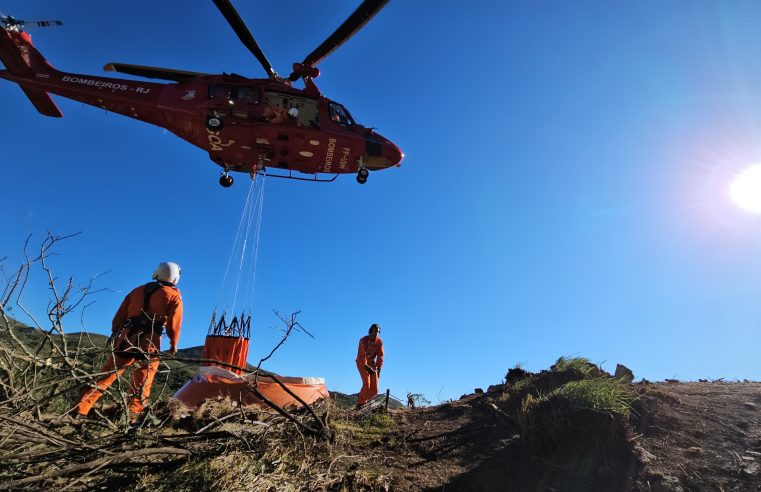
{"x":305,"y":71}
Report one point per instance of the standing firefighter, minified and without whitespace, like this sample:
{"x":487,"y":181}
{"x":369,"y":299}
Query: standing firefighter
{"x":369,"y":363}
{"x":136,"y":334}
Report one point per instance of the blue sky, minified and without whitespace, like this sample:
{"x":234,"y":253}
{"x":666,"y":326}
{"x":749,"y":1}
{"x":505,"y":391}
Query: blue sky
{"x":564,"y":190}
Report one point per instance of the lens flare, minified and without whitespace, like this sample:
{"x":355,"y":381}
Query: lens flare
{"x":746,"y":189}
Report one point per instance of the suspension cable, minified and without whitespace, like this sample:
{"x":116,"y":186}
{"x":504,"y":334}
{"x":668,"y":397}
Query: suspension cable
{"x":238,"y":233}
{"x":240,"y":271}
{"x":251,"y":286}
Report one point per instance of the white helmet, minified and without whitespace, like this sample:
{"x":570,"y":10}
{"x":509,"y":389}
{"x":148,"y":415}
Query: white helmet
{"x":294,"y":112}
{"x":168,"y":272}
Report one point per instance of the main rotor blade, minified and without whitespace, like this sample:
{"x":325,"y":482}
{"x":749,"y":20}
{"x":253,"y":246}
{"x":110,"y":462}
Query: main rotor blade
{"x":354,"y":23}
{"x":244,"y":34}
{"x":152,"y":72}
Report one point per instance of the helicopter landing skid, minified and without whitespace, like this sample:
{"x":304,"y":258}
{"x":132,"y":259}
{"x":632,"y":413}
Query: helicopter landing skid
{"x":290,"y":175}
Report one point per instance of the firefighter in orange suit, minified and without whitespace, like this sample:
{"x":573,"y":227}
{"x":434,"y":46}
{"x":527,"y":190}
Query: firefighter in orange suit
{"x":369,"y":363}
{"x":136,"y":334}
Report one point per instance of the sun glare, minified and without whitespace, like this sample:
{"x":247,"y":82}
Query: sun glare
{"x":746,"y":189}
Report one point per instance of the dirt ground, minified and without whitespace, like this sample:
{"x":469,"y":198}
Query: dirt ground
{"x":528,"y":434}
{"x":700,"y":436}
{"x":680,"y":437}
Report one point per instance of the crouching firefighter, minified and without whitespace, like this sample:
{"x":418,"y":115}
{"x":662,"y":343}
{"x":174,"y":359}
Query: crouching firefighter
{"x":136,"y":338}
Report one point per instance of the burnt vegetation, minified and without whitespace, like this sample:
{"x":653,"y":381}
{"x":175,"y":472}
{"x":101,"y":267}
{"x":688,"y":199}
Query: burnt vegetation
{"x":571,"y":427}
{"x":43,"y":370}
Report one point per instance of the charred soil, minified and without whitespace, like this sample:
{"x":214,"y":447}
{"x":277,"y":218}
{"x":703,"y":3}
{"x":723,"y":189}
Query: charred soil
{"x":570,"y":428}
{"x":679,"y":436}
{"x":533,"y":433}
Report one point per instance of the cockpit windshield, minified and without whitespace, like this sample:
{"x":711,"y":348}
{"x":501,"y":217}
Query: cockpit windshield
{"x":340,"y":114}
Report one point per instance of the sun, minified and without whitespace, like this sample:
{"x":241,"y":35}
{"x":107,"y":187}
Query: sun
{"x":745,"y":190}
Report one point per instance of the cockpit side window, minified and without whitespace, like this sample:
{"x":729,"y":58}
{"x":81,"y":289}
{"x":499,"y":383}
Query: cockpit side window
{"x":340,"y":115}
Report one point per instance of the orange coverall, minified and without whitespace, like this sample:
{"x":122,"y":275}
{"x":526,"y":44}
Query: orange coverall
{"x":166,"y":304}
{"x":370,"y":353}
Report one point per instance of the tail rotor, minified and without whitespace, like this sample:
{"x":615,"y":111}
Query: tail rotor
{"x":10,"y":23}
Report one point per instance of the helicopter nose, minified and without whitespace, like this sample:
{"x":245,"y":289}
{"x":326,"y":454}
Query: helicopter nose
{"x":394,"y":154}
{"x":381,"y":152}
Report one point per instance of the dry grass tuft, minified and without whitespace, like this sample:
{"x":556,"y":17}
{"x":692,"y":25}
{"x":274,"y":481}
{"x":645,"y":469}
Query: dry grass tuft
{"x":214,"y":409}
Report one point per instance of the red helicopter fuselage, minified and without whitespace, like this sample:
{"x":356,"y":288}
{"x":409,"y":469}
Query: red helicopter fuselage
{"x":244,"y":124}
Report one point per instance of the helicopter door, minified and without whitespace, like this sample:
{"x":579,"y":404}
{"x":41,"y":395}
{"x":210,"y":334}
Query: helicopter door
{"x":291,"y":110}
{"x":232,"y":147}
{"x":294,"y":128}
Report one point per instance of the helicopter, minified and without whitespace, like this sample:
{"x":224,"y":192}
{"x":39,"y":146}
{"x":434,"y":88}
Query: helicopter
{"x":246,"y":125}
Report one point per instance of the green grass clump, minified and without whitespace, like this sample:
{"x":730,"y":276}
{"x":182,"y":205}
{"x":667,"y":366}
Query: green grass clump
{"x":521,"y":386}
{"x":367,"y":428}
{"x":599,"y":395}
{"x":578,"y":364}
{"x":381,"y":422}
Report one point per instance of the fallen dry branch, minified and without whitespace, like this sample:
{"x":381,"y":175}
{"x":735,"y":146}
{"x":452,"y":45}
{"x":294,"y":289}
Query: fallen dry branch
{"x":39,"y":430}
{"x":42,"y":370}
{"x":112,"y":460}
{"x":287,"y":415}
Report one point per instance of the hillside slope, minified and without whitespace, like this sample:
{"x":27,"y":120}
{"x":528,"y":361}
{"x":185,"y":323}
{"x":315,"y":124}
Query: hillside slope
{"x":572,"y":427}
{"x":685,"y":436}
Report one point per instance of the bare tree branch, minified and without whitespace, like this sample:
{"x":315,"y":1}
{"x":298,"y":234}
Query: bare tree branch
{"x":42,"y":369}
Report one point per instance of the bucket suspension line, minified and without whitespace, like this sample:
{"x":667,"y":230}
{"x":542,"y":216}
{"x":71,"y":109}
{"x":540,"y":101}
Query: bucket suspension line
{"x":251,"y":282}
{"x":244,"y":250}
